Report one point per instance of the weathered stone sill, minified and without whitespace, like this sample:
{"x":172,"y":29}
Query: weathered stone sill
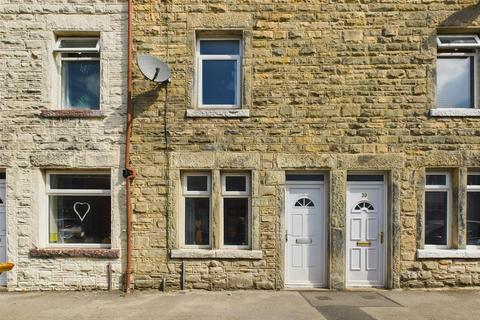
{"x":455,"y":112}
{"x":75,"y":253}
{"x":216,"y":254}
{"x":448,"y":254}
{"x":66,"y":114}
{"x":202,"y":113}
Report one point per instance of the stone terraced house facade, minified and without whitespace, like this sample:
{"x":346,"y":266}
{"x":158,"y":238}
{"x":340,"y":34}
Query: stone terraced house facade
{"x":304,"y":144}
{"x":307,"y":144}
{"x":63,"y":67}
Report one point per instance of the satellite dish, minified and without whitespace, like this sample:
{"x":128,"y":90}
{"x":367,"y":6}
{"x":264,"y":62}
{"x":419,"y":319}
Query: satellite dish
{"x":153,"y":68}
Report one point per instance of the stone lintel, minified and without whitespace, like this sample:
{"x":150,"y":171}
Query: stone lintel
{"x":455,"y":112}
{"x":216,"y":254}
{"x":306,"y":161}
{"x":447,"y":253}
{"x":371,"y":161}
{"x":74,"y":253}
{"x":202,"y":113}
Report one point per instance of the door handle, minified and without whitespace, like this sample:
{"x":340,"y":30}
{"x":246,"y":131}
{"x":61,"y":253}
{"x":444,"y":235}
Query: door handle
{"x":286,"y":235}
{"x":381,"y":237}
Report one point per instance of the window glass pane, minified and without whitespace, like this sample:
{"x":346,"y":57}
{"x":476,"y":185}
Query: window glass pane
{"x":197,"y":183}
{"x":197,"y":221}
{"x":305,"y":177}
{"x":228,"y":47}
{"x":366,"y":177}
{"x":457,"y":40}
{"x":454,"y":82}
{"x":81,"y":84}
{"x":436,"y":218}
{"x":473,"y":218}
{"x":79,"y":219}
{"x":436,"y":180}
{"x":235,"y":221}
{"x":473,"y":180}
{"x":79,"y":181}
{"x":219,"y":81}
{"x":235,"y":183}
{"x":78,"y":43}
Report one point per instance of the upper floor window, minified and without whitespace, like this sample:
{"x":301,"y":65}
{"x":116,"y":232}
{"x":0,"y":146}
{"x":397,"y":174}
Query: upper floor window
{"x":219,"y":72}
{"x":437,"y":209}
{"x":456,"y":78}
{"x":79,"y":72}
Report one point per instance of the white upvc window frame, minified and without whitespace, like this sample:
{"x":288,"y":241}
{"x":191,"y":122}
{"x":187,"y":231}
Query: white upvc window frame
{"x":474,"y":76}
{"x":458,"y":45}
{"x":76,"y":49}
{"x":72,"y":192}
{"x":226,"y":57}
{"x":236,"y":194}
{"x":441,"y":188}
{"x":195,"y":194}
{"x":61,"y":97}
{"x":475,"y":189}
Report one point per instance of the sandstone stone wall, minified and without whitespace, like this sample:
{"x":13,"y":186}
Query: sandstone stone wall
{"x":328,"y":85}
{"x":31,"y":142}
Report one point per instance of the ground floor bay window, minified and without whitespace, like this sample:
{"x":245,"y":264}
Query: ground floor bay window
{"x":79,"y":209}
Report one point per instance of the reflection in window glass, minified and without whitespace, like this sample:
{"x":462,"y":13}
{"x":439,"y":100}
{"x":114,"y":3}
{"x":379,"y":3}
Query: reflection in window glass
{"x":75,"y":181}
{"x":436,"y":180}
{"x":81,"y":84}
{"x":197,"y":221}
{"x":473,"y":218}
{"x":79,"y":219}
{"x":436,"y":218}
{"x":473,"y":180}
{"x":78,"y":43}
{"x":219,"y":81}
{"x":216,"y":47}
{"x":236,"y":183}
{"x":235,"y":225}
{"x":455,"y":82}
{"x":197,"y":183}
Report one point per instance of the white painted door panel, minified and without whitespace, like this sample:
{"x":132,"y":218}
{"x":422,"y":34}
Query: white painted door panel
{"x":3,"y":231}
{"x":306,"y":239}
{"x":365,"y":248}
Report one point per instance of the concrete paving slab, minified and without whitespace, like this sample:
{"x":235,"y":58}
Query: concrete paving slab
{"x":154,"y":305}
{"x":438,"y":305}
{"x":346,"y":298}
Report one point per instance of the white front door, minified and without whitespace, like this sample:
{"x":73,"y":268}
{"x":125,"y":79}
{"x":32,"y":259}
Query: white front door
{"x":366,"y":233}
{"x":305,"y":234}
{"x":3,"y":231}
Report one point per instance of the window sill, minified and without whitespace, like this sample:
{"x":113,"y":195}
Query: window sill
{"x":74,"y":253}
{"x":448,"y":253}
{"x":454,"y":112}
{"x":216,"y":254}
{"x":213,"y":113}
{"x":73,"y":114}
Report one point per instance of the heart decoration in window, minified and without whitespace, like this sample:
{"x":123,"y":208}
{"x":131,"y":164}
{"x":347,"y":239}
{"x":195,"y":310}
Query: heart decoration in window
{"x":81,"y":209}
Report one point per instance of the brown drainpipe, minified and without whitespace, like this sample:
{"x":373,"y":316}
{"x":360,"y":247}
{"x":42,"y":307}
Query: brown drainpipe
{"x":129,"y":172}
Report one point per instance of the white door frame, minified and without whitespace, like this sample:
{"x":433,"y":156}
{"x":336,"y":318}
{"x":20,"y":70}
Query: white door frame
{"x":323,"y":229}
{"x":384,"y":225}
{"x":3,"y":183}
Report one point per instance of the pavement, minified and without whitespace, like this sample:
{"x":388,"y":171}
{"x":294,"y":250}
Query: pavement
{"x":258,"y":305}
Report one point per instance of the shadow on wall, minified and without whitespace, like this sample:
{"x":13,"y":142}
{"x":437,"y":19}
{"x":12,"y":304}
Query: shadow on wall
{"x":462,"y":18}
{"x":147,"y":102}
